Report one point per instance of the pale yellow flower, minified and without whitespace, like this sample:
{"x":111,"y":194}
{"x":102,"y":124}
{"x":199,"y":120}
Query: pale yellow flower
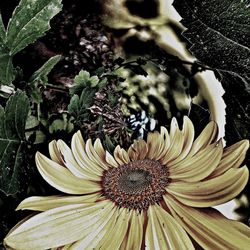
{"x":155,"y":195}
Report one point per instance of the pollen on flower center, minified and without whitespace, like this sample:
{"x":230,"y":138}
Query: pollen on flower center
{"x":136,"y":185}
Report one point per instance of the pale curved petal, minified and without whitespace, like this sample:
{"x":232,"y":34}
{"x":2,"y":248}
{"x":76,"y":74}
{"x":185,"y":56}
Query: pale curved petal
{"x":211,"y":192}
{"x":98,"y":232}
{"x":91,"y":169}
{"x":111,"y":160}
{"x":155,"y":144}
{"x":138,"y":150}
{"x":54,"y":152}
{"x":69,"y":161}
{"x":164,"y":144}
{"x":100,"y":151}
{"x":163,"y":232}
{"x":175,"y":148}
{"x":232,"y":157}
{"x":173,"y":128}
{"x":93,"y":155}
{"x":134,"y":236}
{"x":209,"y":228}
{"x":62,"y":179}
{"x":188,"y":136}
{"x":121,"y":156}
{"x":39,"y":203}
{"x":199,"y":166}
{"x":114,"y":235}
{"x":58,"y":226}
{"x":66,"y":247}
{"x":208,"y":135}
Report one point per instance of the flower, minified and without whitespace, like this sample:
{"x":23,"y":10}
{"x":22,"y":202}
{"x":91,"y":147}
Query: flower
{"x":156,"y":195}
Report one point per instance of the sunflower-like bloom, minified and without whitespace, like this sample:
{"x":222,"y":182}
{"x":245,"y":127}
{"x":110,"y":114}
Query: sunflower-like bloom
{"x":156,"y":195}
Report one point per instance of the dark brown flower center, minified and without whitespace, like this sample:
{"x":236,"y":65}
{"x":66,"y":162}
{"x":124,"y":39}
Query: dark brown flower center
{"x":136,"y":185}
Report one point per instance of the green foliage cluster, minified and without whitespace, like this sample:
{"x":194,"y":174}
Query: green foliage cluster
{"x":13,"y":144}
{"x":82,"y":93}
{"x":30,"y":20}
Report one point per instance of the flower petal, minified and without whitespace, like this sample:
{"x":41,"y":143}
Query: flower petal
{"x":232,"y":157}
{"x":91,"y":169}
{"x":188,"y":136}
{"x":114,"y":235}
{"x":69,"y":161}
{"x":121,"y":156}
{"x":134,"y":236}
{"x":58,"y":226}
{"x":175,"y":148}
{"x":207,"y":136}
{"x":110,"y":160}
{"x":54,"y":152}
{"x":163,"y":232}
{"x":93,"y":155}
{"x":154,"y":143}
{"x":138,"y":150}
{"x":209,"y":228}
{"x":199,"y":166}
{"x":211,"y":192}
{"x":39,"y":203}
{"x":98,"y":232}
{"x":62,"y":179}
{"x":99,"y":149}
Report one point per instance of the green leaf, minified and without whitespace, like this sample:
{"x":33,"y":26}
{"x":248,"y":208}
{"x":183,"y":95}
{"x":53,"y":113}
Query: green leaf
{"x":2,"y":31}
{"x":83,"y":80}
{"x":78,"y":106}
{"x":82,"y":77}
{"x":12,"y":142}
{"x":40,"y":77}
{"x":219,"y":33}
{"x":7,"y":73}
{"x":30,"y":20}
{"x":42,"y":73}
{"x":63,"y":124}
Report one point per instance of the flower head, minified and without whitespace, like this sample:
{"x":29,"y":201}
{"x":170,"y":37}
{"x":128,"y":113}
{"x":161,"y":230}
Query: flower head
{"x":156,"y":195}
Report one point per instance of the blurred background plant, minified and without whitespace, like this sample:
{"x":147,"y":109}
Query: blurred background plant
{"x":115,"y":70}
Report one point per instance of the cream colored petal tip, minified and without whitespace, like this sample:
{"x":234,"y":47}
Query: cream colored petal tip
{"x":209,"y":228}
{"x":59,"y":226}
{"x":62,"y":179}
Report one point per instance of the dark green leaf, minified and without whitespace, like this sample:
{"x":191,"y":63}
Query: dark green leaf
{"x":12,"y":142}
{"x":2,"y":31}
{"x":29,"y":21}
{"x":219,"y":33}
{"x":83,"y":80}
{"x":7,"y":73}
{"x":42,"y":73}
{"x":79,"y":106}
{"x":109,"y":145}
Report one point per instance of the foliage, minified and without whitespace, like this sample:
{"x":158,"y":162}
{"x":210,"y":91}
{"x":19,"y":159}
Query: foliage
{"x":40,"y":79}
{"x":83,"y":92}
{"x":13,"y":143}
{"x":30,"y":20}
{"x":219,"y":36}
